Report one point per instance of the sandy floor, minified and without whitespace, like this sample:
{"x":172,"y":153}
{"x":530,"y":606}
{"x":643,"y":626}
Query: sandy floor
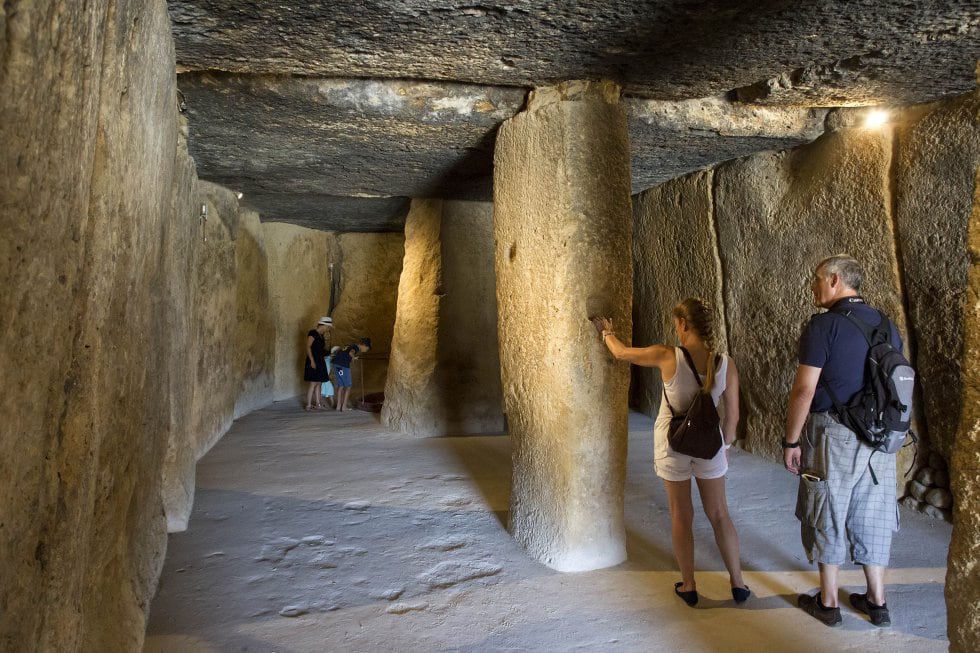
{"x":326,"y":532}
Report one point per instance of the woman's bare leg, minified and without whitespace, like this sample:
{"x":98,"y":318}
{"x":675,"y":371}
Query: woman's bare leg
{"x":716,"y":508}
{"x":682,"y":530}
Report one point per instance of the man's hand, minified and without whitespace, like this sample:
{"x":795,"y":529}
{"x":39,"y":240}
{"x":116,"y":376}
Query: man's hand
{"x":791,"y":458}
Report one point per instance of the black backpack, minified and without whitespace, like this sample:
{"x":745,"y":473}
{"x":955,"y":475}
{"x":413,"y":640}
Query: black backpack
{"x":880,"y":413}
{"x":696,"y":432}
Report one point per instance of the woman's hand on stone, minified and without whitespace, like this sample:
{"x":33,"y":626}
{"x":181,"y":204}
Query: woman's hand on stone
{"x":601,"y":324}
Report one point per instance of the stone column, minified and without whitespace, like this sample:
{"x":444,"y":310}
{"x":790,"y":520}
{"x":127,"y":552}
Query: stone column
{"x":562,"y":231}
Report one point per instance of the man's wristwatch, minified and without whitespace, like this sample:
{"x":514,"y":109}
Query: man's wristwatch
{"x":790,"y":445}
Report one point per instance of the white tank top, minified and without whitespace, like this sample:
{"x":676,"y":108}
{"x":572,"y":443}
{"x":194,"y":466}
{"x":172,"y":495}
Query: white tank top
{"x":680,"y":391}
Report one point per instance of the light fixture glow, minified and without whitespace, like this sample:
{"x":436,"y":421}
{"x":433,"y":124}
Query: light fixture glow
{"x":876,"y":118}
{"x":240,"y":195}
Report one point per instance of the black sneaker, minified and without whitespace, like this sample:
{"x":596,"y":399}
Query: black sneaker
{"x":878,"y":613}
{"x":812,"y":606}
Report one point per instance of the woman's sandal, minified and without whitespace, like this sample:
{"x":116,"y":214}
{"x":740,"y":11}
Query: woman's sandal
{"x":691,"y":598}
{"x":741,"y":594}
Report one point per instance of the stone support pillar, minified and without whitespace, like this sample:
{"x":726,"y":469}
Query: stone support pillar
{"x":562,"y":231}
{"x":444,"y":375}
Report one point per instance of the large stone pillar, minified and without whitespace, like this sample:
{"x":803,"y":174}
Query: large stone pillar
{"x":562,"y":231}
{"x":444,"y":374}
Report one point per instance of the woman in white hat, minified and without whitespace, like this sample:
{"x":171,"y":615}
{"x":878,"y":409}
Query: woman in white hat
{"x":315,"y":369}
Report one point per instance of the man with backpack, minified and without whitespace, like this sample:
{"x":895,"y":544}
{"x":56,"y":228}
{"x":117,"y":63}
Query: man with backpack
{"x":846,"y":502}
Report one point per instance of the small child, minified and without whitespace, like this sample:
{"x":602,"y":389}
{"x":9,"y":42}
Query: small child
{"x":327,"y":386}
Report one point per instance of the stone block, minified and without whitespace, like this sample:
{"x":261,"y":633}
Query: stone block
{"x":937,"y":154}
{"x":301,"y":262}
{"x":778,"y":215}
{"x":926,"y":476}
{"x":370,"y":266}
{"x":917,"y":490}
{"x":939,"y":498}
{"x":675,"y":256}
{"x":940,"y":478}
{"x":911,"y":502}
{"x":935,"y":513}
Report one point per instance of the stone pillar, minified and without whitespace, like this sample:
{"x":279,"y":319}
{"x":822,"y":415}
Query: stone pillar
{"x":962,"y":589}
{"x":444,"y":375}
{"x":415,"y":338}
{"x":562,"y":231}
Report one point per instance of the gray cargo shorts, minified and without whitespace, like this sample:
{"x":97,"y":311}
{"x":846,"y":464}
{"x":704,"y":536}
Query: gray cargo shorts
{"x":840,"y":508}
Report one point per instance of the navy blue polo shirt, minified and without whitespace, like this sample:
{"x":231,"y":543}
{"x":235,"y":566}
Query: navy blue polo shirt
{"x":833,"y":343}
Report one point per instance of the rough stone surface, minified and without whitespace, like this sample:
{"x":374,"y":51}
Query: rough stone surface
{"x":917,"y":490}
{"x":444,"y":374}
{"x":255,"y":330}
{"x":206,"y":359}
{"x":675,"y":256}
{"x":822,"y":54}
{"x":962,"y":589}
{"x":299,"y":292}
{"x":941,"y":478}
{"x":388,"y":98}
{"x":409,"y":395}
{"x":937,"y":461}
{"x":87,"y":168}
{"x":562,"y":232}
{"x":777,"y":216}
{"x":939,"y":498}
{"x":370,"y":266}
{"x":926,"y":476}
{"x":937,"y":154}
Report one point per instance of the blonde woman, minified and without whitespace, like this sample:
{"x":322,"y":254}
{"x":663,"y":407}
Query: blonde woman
{"x":695,"y":328}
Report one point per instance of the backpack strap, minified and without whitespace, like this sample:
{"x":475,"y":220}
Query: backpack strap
{"x":871,"y":334}
{"x":694,"y":369}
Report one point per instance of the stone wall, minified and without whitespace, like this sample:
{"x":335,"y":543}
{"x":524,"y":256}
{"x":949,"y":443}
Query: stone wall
{"x":962,"y":589}
{"x":675,"y":256}
{"x":898,"y":199}
{"x":299,"y":277}
{"x":937,"y":154}
{"x":444,"y":376}
{"x":87,"y":168}
{"x":140,"y":328}
{"x":369,"y":267}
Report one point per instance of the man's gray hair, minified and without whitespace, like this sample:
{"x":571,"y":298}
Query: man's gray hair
{"x":845,"y":267}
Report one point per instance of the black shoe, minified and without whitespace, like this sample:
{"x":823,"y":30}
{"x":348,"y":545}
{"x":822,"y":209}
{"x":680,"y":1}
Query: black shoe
{"x":878,"y":613}
{"x":813,"y":607}
{"x":741,"y":594}
{"x":691,"y":598}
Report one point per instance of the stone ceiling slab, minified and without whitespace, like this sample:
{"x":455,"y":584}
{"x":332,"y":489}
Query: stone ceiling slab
{"x":332,"y":115}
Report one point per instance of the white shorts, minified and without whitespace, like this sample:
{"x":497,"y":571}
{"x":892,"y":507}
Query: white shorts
{"x":673,"y":466}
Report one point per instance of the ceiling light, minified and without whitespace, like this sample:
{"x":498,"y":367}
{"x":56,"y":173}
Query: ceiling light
{"x":875,"y":118}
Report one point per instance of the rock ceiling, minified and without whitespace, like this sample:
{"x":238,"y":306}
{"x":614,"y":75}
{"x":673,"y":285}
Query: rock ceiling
{"x":333,"y":114}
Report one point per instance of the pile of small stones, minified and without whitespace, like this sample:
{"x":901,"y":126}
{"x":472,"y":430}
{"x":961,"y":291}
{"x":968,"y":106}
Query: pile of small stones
{"x":929,"y":492}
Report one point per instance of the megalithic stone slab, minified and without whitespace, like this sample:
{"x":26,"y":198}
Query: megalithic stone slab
{"x":562,"y":231}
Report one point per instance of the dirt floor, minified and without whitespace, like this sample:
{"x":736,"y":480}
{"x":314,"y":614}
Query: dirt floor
{"x":326,"y":532}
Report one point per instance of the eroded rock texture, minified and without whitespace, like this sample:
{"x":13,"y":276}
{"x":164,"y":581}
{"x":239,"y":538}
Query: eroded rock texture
{"x":444,"y":374}
{"x":937,"y":154}
{"x":778,"y":214}
{"x":675,"y":256}
{"x":562,"y":249}
{"x":962,"y":589}
{"x":370,"y":266}
{"x":300,"y":262}
{"x":84,"y":350}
